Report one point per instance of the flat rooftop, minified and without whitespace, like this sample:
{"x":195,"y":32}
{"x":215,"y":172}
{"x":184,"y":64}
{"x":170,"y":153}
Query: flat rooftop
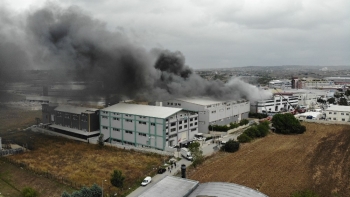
{"x":171,"y":186}
{"x":143,"y":110}
{"x":203,"y":101}
{"x":74,"y":109}
{"x":338,"y":108}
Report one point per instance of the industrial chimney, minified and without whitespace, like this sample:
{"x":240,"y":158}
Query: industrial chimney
{"x":183,"y":171}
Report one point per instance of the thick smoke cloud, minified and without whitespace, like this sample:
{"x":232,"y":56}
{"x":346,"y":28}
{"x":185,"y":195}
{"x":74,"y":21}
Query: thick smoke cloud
{"x":56,"y":38}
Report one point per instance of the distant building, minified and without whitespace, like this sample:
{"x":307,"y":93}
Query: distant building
{"x":212,"y":112}
{"x":151,"y":126}
{"x":338,"y":113}
{"x":276,"y":104}
{"x":79,"y":122}
{"x":280,"y":84}
{"x":339,"y":80}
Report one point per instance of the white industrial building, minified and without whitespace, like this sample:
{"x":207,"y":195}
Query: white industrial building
{"x":275,"y":104}
{"x":338,"y":113}
{"x":306,"y":99}
{"x":281,"y":84}
{"x":151,"y":126}
{"x":212,"y":112}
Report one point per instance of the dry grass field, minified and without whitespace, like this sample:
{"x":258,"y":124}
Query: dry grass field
{"x":277,"y":165}
{"x":79,"y":162}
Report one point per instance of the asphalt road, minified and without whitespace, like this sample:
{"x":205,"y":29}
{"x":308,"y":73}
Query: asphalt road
{"x":207,"y":148}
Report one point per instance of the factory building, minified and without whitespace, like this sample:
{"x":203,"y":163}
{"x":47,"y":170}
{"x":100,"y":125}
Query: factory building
{"x":338,"y":113}
{"x":275,"y":104}
{"x":147,"y":126}
{"x":212,"y":112}
{"x":79,"y":122}
{"x":280,"y":84}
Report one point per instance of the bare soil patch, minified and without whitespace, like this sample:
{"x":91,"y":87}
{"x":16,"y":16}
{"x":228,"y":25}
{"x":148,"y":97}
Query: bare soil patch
{"x":277,"y":165}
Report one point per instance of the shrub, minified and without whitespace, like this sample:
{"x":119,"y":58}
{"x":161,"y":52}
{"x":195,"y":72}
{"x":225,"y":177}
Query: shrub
{"x":305,"y":193}
{"x":233,"y":125}
{"x":257,"y":115}
{"x":29,"y":192}
{"x":252,"y":132}
{"x":93,"y":191}
{"x":244,"y":138}
{"x":243,"y":122}
{"x":231,"y":146}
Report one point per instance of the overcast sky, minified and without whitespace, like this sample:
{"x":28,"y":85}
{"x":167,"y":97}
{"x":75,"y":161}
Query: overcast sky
{"x":218,"y":34}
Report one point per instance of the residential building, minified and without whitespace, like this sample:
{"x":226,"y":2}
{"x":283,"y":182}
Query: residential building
{"x":276,"y":104}
{"x":212,"y":112}
{"x":151,"y":126}
{"x":338,"y":113}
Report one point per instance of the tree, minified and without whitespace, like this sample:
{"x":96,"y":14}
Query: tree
{"x":304,"y":193}
{"x":231,"y":146}
{"x":343,"y":101}
{"x":93,"y":191}
{"x":197,"y":154}
{"x":117,"y":179}
{"x":331,"y":100}
{"x":29,"y":192}
{"x":243,"y":122}
{"x":287,"y":124}
{"x":100,"y":140}
{"x":244,"y":138}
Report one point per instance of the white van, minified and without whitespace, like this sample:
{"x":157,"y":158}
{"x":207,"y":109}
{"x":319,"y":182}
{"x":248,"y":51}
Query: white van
{"x":146,"y":181}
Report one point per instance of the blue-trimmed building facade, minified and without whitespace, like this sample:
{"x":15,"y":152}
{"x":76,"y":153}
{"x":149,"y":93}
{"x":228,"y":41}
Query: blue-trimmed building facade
{"x":142,"y":130}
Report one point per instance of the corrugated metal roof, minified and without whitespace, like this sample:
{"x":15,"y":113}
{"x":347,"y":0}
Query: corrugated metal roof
{"x":338,"y":108}
{"x":203,"y":101}
{"x":74,"y":109}
{"x":171,"y":186}
{"x":220,"y":189}
{"x":143,"y":110}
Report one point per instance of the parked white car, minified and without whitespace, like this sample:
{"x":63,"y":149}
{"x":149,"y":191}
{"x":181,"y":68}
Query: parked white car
{"x":146,"y":181}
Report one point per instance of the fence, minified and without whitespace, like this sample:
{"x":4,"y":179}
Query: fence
{"x":48,"y":175}
{"x":11,"y":151}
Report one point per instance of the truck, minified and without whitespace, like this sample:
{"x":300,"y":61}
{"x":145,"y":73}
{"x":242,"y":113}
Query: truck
{"x":186,"y":154}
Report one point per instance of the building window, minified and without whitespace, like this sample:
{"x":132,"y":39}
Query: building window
{"x":185,"y":121}
{"x":343,"y":119}
{"x":180,"y":127}
{"x":185,"y":126}
{"x":142,"y":134}
{"x":154,"y":124}
{"x":104,"y":117}
{"x":173,"y":124}
{"x":193,"y":129}
{"x":116,"y":119}
{"x":173,"y":129}
{"x":180,"y":122}
{"x":213,"y":112}
{"x":342,"y":113}
{"x":114,"y":129}
{"x":141,"y":122}
{"x":195,"y":123}
{"x":334,"y":118}
{"x":126,"y":131}
{"x":335,"y":113}
{"x":347,"y":114}
{"x":104,"y":127}
{"x":127,"y":120}
{"x":191,"y":119}
{"x":195,"y":118}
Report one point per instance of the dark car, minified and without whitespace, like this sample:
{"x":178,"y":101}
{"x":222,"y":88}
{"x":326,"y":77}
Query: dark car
{"x":161,"y":170}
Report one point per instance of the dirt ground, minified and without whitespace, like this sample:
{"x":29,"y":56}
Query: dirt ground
{"x":277,"y":165}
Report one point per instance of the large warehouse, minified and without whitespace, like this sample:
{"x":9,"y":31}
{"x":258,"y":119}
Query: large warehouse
{"x":275,"y":104}
{"x":150,"y":126}
{"x":212,"y":112}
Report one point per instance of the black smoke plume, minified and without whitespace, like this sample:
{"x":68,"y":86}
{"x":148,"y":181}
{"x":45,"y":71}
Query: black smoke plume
{"x":68,"y":39}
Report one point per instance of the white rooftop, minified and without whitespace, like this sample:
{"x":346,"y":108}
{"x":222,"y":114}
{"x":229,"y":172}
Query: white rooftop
{"x":143,"y":110}
{"x":203,"y":101}
{"x":338,"y":108}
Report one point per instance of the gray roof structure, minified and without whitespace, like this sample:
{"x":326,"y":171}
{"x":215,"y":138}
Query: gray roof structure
{"x":171,"y":186}
{"x":203,"y":101}
{"x":143,"y":110}
{"x":74,"y":109}
{"x":221,"y":189}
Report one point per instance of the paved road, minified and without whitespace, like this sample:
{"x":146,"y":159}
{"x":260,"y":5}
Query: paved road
{"x":207,"y":148}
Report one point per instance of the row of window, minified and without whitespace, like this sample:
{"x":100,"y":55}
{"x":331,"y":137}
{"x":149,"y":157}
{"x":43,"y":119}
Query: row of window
{"x":176,"y":104}
{"x":342,"y":113}
{"x":343,"y":119}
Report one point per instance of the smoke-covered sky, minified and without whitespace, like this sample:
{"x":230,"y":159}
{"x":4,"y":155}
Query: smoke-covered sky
{"x":225,"y":33}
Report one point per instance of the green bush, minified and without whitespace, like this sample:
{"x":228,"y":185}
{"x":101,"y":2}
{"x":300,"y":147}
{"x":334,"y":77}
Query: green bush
{"x":252,"y":132}
{"x":244,"y":138}
{"x":243,"y":122}
{"x":305,"y":193}
{"x":93,"y":191}
{"x":231,"y":146}
{"x":29,"y":192}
